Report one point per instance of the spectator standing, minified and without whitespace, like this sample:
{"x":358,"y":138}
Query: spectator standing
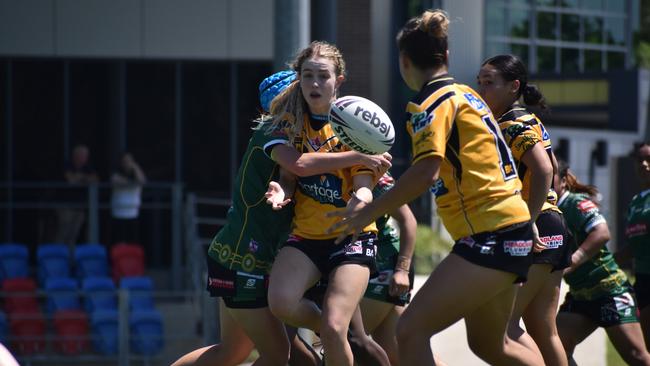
{"x":78,"y":173}
{"x":126,"y":199}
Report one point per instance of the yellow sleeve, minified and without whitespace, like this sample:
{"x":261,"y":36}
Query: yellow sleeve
{"x":429,"y":129}
{"x":519,"y":137}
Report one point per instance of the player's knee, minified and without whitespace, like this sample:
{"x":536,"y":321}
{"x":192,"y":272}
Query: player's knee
{"x":333,"y":329}
{"x":488,"y":350}
{"x":281,"y":305}
{"x":404,"y":332}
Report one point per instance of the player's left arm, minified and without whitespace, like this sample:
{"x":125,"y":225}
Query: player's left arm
{"x":407,"y":223}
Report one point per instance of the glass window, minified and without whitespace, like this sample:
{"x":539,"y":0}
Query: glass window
{"x":615,"y":60}
{"x":593,"y":29}
{"x":520,"y":51}
{"x":569,"y":3}
{"x":520,"y":2}
{"x":519,"y":24}
{"x":615,"y":31}
{"x":570,"y":27}
{"x":496,"y":48}
{"x":570,"y":60}
{"x":617,"y":6}
{"x":592,"y":4}
{"x":546,"y":25}
{"x":593,"y":61}
{"x":546,"y":59}
{"x":496,"y":21}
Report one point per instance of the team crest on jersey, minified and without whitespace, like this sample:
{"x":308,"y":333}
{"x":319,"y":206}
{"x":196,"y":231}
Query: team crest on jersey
{"x":326,"y":188}
{"x":438,"y":188}
{"x":253,"y":246}
{"x":475,"y":102}
{"x":420,"y":121}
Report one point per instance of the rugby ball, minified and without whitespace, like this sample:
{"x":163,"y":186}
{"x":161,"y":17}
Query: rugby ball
{"x":362,"y":125}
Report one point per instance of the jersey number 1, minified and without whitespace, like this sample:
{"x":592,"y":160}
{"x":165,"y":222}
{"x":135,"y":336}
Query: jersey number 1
{"x":506,"y":161}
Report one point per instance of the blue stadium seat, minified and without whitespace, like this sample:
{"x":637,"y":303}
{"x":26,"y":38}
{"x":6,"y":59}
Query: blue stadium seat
{"x":91,"y":260}
{"x":4,"y":328}
{"x":53,"y":261}
{"x":139,"y":292}
{"x":146,"y":332}
{"x":13,"y":261}
{"x":99,"y":294}
{"x":104,"y":329}
{"x":61,"y":294}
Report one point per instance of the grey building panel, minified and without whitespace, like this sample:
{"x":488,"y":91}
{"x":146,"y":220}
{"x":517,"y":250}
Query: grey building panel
{"x":187,"y":29}
{"x":26,"y":27}
{"x":251,"y":36}
{"x":465,"y":38}
{"x":98,"y":28}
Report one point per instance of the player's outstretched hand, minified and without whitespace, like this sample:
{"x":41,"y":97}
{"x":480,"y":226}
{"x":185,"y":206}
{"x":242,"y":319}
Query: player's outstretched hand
{"x":275,"y":196}
{"x":353,"y":220}
{"x":378,"y":163}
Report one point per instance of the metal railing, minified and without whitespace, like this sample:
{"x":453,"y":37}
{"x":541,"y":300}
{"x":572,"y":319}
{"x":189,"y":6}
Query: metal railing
{"x":157,"y":196}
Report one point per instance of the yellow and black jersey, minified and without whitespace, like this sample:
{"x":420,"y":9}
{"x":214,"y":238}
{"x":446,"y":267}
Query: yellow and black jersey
{"x":317,"y":195}
{"x":477,"y":188}
{"x":522,"y":130}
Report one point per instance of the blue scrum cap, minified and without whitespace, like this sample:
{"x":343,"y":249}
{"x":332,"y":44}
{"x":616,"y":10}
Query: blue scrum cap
{"x":274,"y":85}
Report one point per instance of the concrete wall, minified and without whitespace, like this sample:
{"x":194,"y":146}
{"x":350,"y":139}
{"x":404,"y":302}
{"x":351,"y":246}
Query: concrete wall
{"x":197,"y":29}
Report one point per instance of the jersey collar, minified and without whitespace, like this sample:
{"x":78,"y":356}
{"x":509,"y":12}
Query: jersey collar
{"x":563,"y":197}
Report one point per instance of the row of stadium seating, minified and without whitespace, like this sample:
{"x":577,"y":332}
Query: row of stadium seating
{"x":74,"y":325}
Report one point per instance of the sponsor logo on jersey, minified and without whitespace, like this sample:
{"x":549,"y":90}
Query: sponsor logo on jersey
{"x":475,"y":102}
{"x":637,"y":229}
{"x":517,"y":248}
{"x":438,"y":188}
{"x":420,"y":121}
{"x":467,"y":240}
{"x":586,"y":206}
{"x":515,"y":130}
{"x":423,"y":137}
{"x":219,"y":283}
{"x":552,"y":242}
{"x":326,"y":188}
{"x":353,"y":249}
{"x":250,"y":283}
{"x":623,"y":301}
{"x":378,"y":289}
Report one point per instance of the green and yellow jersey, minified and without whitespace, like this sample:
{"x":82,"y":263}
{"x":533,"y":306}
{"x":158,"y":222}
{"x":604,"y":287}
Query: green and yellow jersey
{"x":249,"y":240}
{"x":478,"y":189}
{"x":600,"y":275}
{"x":318,"y":195}
{"x":637,"y":231}
{"x":522,"y":130}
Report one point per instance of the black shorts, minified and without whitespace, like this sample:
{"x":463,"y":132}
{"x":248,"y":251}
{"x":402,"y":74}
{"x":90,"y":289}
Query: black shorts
{"x":554,"y":233}
{"x":239,"y":290}
{"x":605,"y":311}
{"x":327,"y":256}
{"x":508,"y":249}
{"x":642,"y":290}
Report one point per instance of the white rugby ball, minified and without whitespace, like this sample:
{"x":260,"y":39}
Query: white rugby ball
{"x":362,"y":125}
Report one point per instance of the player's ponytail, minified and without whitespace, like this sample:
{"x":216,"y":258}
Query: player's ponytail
{"x":511,"y":68}
{"x":424,"y":39}
{"x":572,"y":182}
